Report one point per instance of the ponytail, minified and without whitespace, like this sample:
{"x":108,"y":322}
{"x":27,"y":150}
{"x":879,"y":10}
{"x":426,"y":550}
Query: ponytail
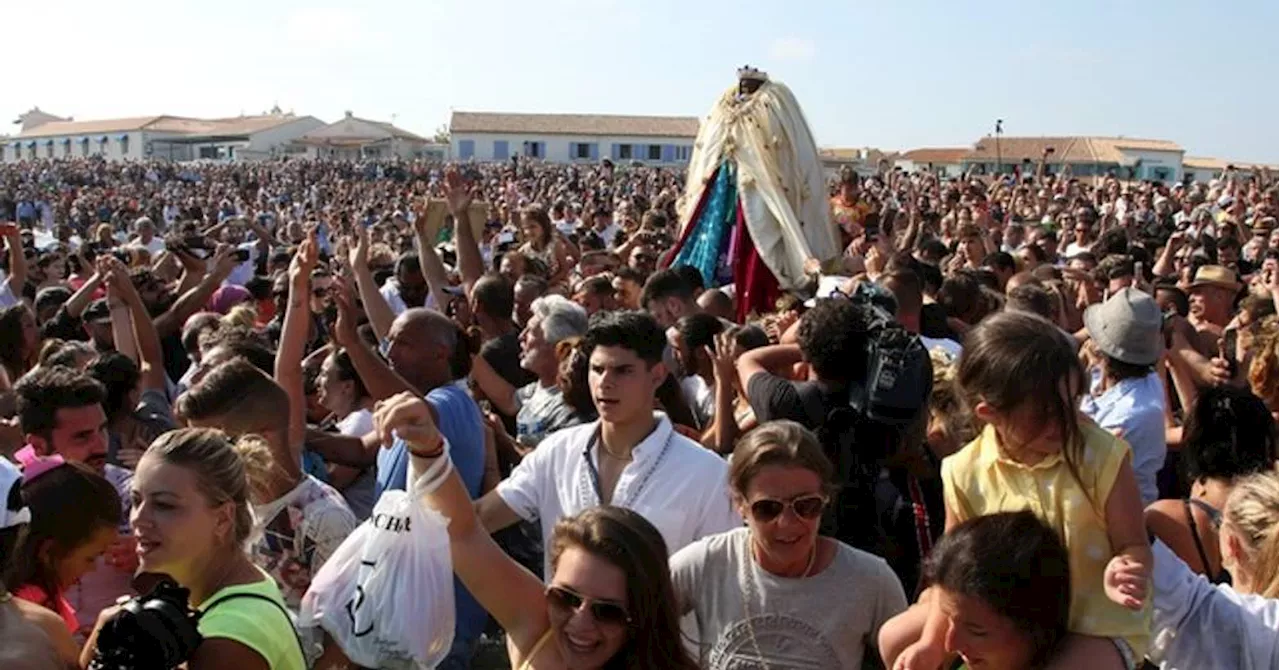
{"x":1252,"y":514}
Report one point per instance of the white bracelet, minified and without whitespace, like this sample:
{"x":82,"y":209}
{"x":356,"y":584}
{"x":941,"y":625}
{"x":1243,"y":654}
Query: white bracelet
{"x":427,"y":482}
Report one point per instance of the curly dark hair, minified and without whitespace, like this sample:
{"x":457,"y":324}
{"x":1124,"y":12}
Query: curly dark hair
{"x":832,"y":338}
{"x":46,"y":390}
{"x":1229,"y":433}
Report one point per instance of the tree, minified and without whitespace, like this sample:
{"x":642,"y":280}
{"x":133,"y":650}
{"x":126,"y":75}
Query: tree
{"x":442,"y":134}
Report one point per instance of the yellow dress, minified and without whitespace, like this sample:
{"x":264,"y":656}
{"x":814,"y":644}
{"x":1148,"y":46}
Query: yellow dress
{"x":978,"y":480}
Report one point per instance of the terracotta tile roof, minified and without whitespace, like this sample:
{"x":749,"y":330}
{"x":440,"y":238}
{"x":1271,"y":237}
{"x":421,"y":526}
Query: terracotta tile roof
{"x":936,"y":155}
{"x":239,"y":125}
{"x":574,"y":124}
{"x":399,"y":132}
{"x":353,"y":131}
{"x":247,"y":125}
{"x":90,"y":127}
{"x":1066,"y":149}
{"x":1202,"y":163}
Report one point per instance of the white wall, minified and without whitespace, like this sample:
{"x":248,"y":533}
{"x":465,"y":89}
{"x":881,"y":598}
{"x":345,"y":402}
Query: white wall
{"x":1151,"y":160}
{"x":1203,"y":175}
{"x":272,"y":138}
{"x":557,"y":146}
{"x":111,"y":149}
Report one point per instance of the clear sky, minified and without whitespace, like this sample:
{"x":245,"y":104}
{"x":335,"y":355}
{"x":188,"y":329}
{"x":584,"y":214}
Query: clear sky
{"x":894,"y":74}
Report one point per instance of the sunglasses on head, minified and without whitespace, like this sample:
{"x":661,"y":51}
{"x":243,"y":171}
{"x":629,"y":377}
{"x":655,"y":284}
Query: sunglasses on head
{"x":808,"y":507}
{"x":568,"y":601}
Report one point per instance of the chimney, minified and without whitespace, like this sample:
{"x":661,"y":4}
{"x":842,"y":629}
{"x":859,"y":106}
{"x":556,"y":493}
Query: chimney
{"x":349,"y":114}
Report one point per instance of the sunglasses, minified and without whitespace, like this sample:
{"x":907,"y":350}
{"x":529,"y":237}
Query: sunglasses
{"x":807,"y":507}
{"x":567,"y":602}
{"x":319,"y":292}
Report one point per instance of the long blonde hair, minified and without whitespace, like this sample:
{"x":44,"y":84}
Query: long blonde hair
{"x":1253,"y":514}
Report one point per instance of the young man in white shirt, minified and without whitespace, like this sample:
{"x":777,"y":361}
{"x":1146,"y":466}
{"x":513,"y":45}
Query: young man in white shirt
{"x":631,"y":457}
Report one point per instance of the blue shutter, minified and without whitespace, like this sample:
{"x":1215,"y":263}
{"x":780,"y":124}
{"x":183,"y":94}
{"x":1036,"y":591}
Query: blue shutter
{"x":500,"y":150}
{"x":466,"y":149}
{"x":668,"y":153}
{"x":573,"y":151}
{"x":542,"y":150}
{"x":595,"y":151}
{"x":616,"y":152}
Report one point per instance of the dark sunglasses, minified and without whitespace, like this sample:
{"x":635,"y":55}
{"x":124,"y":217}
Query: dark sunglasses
{"x":807,"y":507}
{"x":319,"y":292}
{"x":568,"y":602}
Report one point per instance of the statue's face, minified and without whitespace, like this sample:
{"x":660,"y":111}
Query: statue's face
{"x":749,"y":86}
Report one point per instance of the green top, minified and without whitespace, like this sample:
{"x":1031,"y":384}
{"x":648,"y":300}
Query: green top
{"x":255,"y":623}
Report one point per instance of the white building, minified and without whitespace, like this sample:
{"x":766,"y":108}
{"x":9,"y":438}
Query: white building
{"x":945,"y":162}
{"x":166,"y":137}
{"x":569,"y":138}
{"x":1126,"y":158}
{"x":354,"y":138}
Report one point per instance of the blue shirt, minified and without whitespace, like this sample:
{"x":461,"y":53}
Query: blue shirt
{"x":459,"y":421}
{"x":1135,"y":409}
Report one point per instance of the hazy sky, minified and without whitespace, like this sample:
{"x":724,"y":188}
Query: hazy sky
{"x":895,"y":75}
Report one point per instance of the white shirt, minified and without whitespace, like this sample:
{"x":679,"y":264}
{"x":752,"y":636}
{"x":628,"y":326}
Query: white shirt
{"x":679,"y":487}
{"x":391,"y":293}
{"x":244,"y":271}
{"x":154,"y":247}
{"x":1195,"y":624}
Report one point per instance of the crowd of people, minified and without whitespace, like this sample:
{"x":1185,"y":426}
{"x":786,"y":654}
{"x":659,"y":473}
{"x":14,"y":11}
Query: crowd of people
{"x":1024,"y":420}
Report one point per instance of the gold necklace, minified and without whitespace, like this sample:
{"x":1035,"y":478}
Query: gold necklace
{"x":614,"y":456}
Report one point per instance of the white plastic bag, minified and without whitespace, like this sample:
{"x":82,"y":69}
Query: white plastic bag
{"x":386,"y":594}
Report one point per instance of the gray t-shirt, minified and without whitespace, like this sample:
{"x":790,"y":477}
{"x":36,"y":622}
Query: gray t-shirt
{"x":823,"y":621}
{"x":541,"y":410}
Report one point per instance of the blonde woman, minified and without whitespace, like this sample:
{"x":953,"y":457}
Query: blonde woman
{"x":1198,"y":625}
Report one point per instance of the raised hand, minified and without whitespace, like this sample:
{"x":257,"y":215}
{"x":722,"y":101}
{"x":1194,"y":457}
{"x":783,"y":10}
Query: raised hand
{"x":306,"y":258}
{"x":406,"y":416}
{"x":722,"y":357}
{"x":344,"y":329}
{"x":359,"y":254}
{"x":457,"y":192}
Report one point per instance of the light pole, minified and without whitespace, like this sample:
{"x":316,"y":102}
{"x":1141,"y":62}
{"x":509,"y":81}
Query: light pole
{"x":999,"y":158}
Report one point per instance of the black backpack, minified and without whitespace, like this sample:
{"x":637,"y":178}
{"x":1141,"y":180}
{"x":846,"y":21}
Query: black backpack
{"x":860,"y":434}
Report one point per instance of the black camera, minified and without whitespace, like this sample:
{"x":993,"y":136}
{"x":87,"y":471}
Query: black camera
{"x":156,"y":630}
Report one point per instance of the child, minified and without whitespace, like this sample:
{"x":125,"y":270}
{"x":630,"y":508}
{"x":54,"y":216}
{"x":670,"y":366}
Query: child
{"x":75,"y":513}
{"x":1023,"y":380}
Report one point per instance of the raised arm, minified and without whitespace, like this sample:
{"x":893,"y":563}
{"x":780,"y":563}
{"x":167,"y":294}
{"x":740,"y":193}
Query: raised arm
{"x":499,"y":391}
{"x":17,"y":260}
{"x":84,"y":295}
{"x":381,"y":381}
{"x":470,"y":262}
{"x":432,"y":267}
{"x":191,"y":301}
{"x":775,"y":359}
{"x":513,"y":595}
{"x":375,"y":306}
{"x":143,"y":332}
{"x":293,"y":337}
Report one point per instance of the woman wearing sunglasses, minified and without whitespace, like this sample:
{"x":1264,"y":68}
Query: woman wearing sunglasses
{"x":775,"y":594}
{"x":608,"y":602}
